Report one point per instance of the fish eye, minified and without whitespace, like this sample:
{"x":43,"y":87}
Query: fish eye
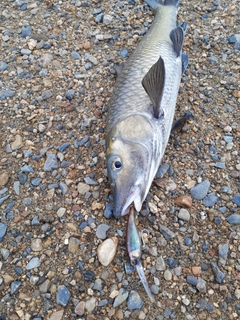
{"x":116,"y":164}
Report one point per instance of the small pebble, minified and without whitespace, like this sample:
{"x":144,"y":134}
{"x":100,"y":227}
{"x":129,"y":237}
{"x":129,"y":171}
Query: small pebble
{"x":184,"y":215}
{"x":236,"y":199}
{"x":167,"y":233}
{"x":134,"y":301}
{"x":233,"y":218}
{"x":101,"y":231}
{"x":15,"y":285}
{"x":33,"y":263}
{"x":3,"y":229}
{"x":120,"y":298}
{"x":80,"y":308}
{"x":184,"y":201}
{"x":63,"y":295}
{"x":51,"y":162}
{"x":75,"y":55}
{"x":200,"y":190}
{"x":210,"y":200}
{"x":192,"y":280}
{"x":219,"y":275}
{"x":167,"y":275}
{"x":61,"y":212}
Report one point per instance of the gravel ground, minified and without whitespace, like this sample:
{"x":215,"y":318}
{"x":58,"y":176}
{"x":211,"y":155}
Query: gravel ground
{"x":56,"y":227}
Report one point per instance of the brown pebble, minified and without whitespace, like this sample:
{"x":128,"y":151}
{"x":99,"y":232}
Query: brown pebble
{"x":70,"y":108}
{"x":196,"y":270}
{"x":72,"y":174}
{"x":4,"y":177}
{"x":17,"y":143}
{"x":99,"y":103}
{"x":75,"y":194}
{"x":184,"y":201}
{"x":76,"y":207}
{"x":87,"y":45}
{"x":73,"y":244}
{"x":236,"y":93}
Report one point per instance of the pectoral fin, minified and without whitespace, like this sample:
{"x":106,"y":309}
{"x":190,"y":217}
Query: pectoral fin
{"x":177,"y":37}
{"x":181,"y":121}
{"x":153,"y":83}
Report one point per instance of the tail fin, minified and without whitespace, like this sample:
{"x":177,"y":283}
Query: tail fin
{"x":155,"y":3}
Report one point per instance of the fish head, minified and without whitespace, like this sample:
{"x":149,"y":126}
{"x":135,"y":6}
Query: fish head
{"x":129,"y":161}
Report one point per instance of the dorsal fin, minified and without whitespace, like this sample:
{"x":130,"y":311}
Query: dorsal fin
{"x":153,"y":83}
{"x":177,"y":37}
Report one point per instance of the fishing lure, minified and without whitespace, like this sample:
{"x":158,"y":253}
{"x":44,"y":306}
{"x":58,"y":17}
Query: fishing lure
{"x":134,"y":250}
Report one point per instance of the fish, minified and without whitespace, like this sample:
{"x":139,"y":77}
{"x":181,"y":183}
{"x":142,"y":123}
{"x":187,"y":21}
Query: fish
{"x":142,"y":107}
{"x":133,"y":245}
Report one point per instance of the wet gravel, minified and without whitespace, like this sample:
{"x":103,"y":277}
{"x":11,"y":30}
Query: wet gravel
{"x":56,"y":75}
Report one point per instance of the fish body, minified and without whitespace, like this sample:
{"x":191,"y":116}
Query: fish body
{"x":134,"y":250}
{"x":142,"y":108}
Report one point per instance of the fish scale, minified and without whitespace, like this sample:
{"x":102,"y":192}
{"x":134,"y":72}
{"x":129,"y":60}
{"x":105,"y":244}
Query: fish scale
{"x":129,"y":96}
{"x":142,"y":108}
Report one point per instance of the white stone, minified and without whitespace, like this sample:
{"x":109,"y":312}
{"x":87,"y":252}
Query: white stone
{"x":237,"y":293}
{"x":106,"y":251}
{"x":41,"y":127}
{"x":61,"y":212}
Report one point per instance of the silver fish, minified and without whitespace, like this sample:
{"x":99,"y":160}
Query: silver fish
{"x":142,"y":108}
{"x":134,"y":251}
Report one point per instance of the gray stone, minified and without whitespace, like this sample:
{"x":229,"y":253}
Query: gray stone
{"x":134,"y":301}
{"x":160,"y":264}
{"x":51,"y":162}
{"x":3,"y":65}
{"x":101,"y":231}
{"x":63,"y":295}
{"x":63,"y":188}
{"x":47,"y":94}
{"x":200,"y":191}
{"x":232,"y":219}
{"x":27,"y":31}
{"x":219,"y":275}
{"x":210,"y":200}
{"x":201,"y":285}
{"x":36,"y":181}
{"x":192,"y":280}
{"x":90,"y":181}
{"x":97,"y":285}
{"x":184,"y":214}
{"x":27,"y":169}
{"x":223,"y":250}
{"x":120,"y":298}
{"x":162,"y":170}
{"x":4,"y":199}
{"x":44,"y":287}
{"x":236,"y":199}
{"x":25,"y":51}
{"x":167,"y":233}
{"x":75,"y":55}
{"x":70,"y":94}
{"x":61,"y":212}
{"x":6,"y":94}
{"x":33,"y":263}
{"x":15,"y":286}
{"x":4,"y":253}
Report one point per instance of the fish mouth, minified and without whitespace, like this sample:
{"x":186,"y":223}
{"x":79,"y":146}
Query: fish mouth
{"x":133,"y":199}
